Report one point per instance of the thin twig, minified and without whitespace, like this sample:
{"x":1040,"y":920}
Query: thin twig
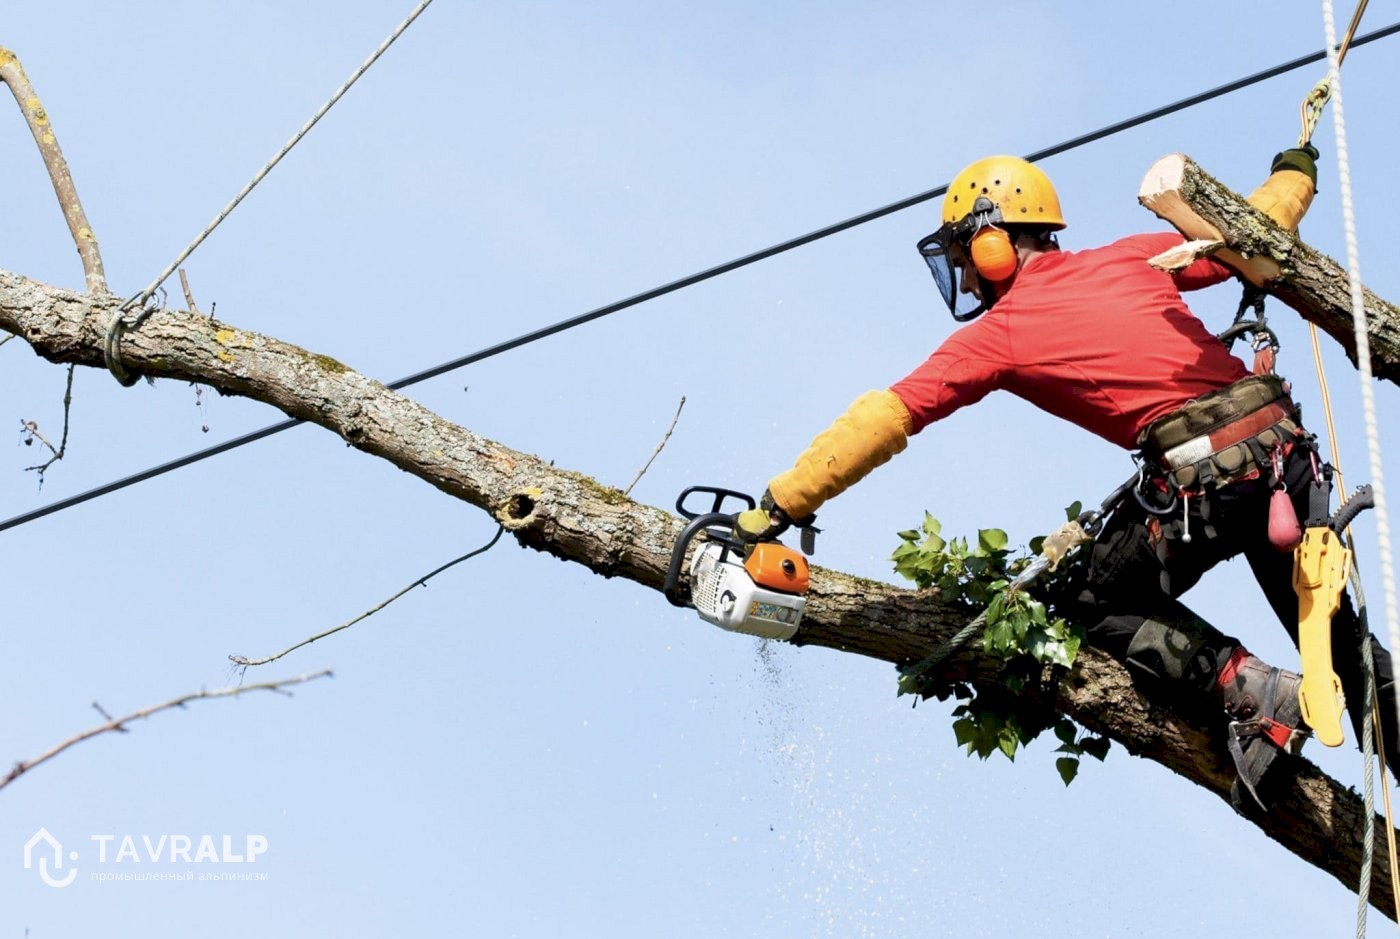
{"x":189,"y":296}
{"x":628,"y":490}
{"x":32,"y":429}
{"x":244,"y":662}
{"x":118,"y":724}
{"x":7,"y":337}
{"x":198,"y":390}
{"x":12,"y":74}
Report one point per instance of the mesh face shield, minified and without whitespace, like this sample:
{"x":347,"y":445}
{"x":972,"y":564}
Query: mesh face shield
{"x":946,"y":254}
{"x":949,"y":264}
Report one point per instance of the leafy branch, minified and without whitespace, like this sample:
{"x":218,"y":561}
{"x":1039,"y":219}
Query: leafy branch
{"x":1034,"y":646}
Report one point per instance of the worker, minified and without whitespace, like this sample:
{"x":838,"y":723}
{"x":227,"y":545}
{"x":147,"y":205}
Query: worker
{"x":1101,"y":339}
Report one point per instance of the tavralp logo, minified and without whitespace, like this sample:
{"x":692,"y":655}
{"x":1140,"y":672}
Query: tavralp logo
{"x":36,"y":853}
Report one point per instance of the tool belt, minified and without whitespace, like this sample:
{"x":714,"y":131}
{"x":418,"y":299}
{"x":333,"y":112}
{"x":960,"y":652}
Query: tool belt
{"x":1224,"y":436}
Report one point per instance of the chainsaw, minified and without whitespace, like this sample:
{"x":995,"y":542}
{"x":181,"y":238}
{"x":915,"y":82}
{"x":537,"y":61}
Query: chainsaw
{"x":757,"y":588}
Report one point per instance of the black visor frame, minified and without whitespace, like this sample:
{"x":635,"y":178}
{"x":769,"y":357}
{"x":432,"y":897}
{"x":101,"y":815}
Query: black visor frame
{"x":938,"y":250}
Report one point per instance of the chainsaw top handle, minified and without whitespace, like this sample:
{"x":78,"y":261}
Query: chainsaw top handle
{"x":717,"y":506}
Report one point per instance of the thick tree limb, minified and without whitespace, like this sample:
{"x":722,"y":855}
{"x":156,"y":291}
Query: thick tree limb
{"x":572,"y":517}
{"x":1179,"y":191}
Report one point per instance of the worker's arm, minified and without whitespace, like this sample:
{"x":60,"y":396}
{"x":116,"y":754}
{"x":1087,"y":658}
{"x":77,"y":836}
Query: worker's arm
{"x":878,"y":424}
{"x":874,"y":428}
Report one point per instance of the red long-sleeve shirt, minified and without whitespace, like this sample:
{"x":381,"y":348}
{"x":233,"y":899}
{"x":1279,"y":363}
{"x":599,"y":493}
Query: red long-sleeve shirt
{"x":1096,"y":337}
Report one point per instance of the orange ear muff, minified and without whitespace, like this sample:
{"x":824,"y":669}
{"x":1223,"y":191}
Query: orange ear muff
{"x":993,"y":254}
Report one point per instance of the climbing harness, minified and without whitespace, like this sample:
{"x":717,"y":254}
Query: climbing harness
{"x":1263,"y":340}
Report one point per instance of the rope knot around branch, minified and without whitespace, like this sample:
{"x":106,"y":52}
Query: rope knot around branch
{"x":111,"y":341}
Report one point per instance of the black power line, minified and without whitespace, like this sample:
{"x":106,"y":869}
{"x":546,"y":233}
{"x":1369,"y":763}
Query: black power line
{"x":675,"y":285}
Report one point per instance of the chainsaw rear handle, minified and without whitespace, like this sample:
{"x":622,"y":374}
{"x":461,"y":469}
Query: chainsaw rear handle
{"x":698,"y":523}
{"x":1363,"y":499}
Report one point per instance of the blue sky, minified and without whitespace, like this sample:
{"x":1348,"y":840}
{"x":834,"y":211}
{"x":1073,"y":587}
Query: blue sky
{"x":522,"y":748}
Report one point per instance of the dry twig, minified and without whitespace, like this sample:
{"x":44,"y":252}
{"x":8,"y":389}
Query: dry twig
{"x":119,"y":724}
{"x":244,"y":663}
{"x":657,"y":452}
{"x":189,"y":295}
{"x":12,"y":74}
{"x":31,"y":428}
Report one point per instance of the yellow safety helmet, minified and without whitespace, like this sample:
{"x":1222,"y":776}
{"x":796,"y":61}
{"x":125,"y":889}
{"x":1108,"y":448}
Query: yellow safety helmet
{"x":986,"y":196}
{"x":1020,"y":190}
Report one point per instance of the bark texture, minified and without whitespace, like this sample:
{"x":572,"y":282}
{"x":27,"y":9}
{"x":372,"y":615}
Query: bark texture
{"x":1178,"y":190}
{"x":574,"y":518}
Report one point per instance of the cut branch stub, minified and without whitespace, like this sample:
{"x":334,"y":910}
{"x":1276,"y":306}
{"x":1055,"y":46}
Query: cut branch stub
{"x":1179,"y":191}
{"x":1168,"y":190}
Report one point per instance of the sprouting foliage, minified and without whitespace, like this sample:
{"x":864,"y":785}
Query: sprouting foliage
{"x":1034,"y":645}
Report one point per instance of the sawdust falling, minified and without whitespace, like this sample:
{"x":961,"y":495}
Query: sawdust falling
{"x":829,"y":873}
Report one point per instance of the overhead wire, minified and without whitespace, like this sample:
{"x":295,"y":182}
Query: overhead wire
{"x":699,"y":277}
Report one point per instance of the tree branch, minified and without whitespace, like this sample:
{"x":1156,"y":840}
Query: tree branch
{"x":12,"y":74}
{"x":1178,"y":190}
{"x":657,"y":452}
{"x":118,"y":724}
{"x":244,"y":663}
{"x":31,"y":428}
{"x":573,"y":517}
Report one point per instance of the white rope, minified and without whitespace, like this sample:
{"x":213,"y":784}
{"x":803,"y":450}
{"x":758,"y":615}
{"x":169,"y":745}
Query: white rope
{"x":119,"y":322}
{"x":1363,"y":358}
{"x":286,"y":148}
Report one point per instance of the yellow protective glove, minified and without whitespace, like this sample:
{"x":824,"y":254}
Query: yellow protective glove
{"x":874,"y":428}
{"x":756,"y":524}
{"x":1287,"y":193}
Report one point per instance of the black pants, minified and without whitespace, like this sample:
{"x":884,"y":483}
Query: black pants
{"x":1131,"y":579}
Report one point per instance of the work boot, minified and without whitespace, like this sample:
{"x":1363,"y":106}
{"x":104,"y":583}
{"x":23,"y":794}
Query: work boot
{"x":1265,"y":718}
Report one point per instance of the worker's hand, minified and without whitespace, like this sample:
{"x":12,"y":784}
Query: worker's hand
{"x":757,"y":525}
{"x":1302,"y":159}
{"x":764,"y":523}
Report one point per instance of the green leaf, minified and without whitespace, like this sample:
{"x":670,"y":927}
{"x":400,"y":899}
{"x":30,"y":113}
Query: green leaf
{"x":1073,"y":510}
{"x":1068,"y":767}
{"x":965,"y":730}
{"x":911,"y":534}
{"x":991,"y":539}
{"x":1097,"y":747}
{"x":1037,"y":544}
{"x":1007,"y":741}
{"x":998,"y":636}
{"x":1057,"y":653}
{"x":1065,"y":731}
{"x":932,"y":525}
